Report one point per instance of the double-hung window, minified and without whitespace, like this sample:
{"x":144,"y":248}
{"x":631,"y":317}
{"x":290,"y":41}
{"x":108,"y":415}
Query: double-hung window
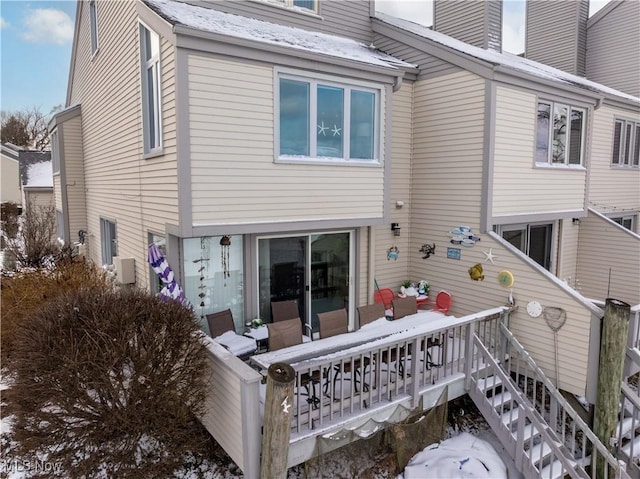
{"x":311,"y":5}
{"x":328,"y":120}
{"x":560,"y":134}
{"x":626,"y":143}
{"x":151,"y":98}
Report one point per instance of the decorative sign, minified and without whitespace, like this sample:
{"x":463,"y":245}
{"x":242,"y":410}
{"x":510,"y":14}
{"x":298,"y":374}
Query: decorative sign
{"x":453,"y":253}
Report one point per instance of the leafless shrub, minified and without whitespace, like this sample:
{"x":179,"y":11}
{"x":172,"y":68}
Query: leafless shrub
{"x":10,"y":213}
{"x":23,"y":293}
{"x":108,"y":383}
{"x":35,"y":243}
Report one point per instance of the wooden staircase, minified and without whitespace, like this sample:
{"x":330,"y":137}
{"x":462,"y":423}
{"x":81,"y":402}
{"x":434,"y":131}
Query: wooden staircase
{"x":521,"y":409}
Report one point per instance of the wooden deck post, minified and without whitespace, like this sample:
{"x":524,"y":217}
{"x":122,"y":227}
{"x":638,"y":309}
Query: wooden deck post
{"x":277,"y":421}
{"x":613,"y":344}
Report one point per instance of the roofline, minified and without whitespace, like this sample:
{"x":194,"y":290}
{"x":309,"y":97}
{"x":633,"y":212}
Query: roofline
{"x":74,"y":51}
{"x":64,"y":115}
{"x":488,"y":69}
{"x":603,"y":12}
{"x":184,"y":33}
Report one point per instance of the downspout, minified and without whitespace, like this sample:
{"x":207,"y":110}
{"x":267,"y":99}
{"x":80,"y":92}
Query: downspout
{"x":397,"y":84}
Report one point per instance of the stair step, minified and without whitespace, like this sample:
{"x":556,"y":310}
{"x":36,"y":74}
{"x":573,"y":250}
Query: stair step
{"x":554,"y":470}
{"x":636,"y":447}
{"x":529,"y":431}
{"x":489,"y":383}
{"x":626,"y":426}
{"x":539,"y":452}
{"x":509,"y":417}
{"x":500,"y":399}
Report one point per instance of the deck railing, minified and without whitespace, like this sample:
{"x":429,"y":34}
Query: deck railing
{"x":372,"y":375}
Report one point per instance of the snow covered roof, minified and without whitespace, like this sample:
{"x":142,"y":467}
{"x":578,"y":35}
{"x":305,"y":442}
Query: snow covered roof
{"x":505,"y":59}
{"x":214,"y":21}
{"x":39,"y":175}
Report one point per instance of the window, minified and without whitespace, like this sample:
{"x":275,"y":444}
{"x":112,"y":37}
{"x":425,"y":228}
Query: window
{"x":151,"y":106}
{"x":60,"y":226}
{"x":534,"y":240}
{"x":626,"y":143}
{"x":628,"y":221}
{"x":311,"y":5}
{"x":108,"y":241}
{"x":322,"y":119}
{"x":560,"y":134}
{"x":93,"y":15}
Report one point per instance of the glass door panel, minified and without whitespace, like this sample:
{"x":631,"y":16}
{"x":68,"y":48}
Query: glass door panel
{"x":330,"y":261}
{"x":281,"y":272}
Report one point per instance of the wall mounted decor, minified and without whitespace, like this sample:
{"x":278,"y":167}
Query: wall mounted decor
{"x":506,"y":279}
{"x":225,"y":244}
{"x":475,"y":272}
{"x":489,"y":256}
{"x":463,"y":235}
{"x":393,"y":253}
{"x":427,"y":250}
{"x":453,"y":253}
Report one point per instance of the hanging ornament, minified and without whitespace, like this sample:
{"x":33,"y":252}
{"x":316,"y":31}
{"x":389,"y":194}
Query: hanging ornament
{"x":225,"y":244}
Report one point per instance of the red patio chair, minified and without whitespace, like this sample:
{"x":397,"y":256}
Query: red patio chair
{"x":440,"y":305}
{"x":386,"y":297}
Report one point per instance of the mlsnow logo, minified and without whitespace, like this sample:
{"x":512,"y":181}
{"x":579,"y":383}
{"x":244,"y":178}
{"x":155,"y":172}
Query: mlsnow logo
{"x":24,"y":465}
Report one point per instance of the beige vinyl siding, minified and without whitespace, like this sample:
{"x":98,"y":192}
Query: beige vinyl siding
{"x":39,"y":197}
{"x":74,"y":174}
{"x":518,"y":186}
{"x":137,"y":194}
{"x":475,"y":23}
{"x":390,"y":273}
{"x":556,"y":34}
{"x":608,"y":261}
{"x":347,"y":19}
{"x":233,"y":175}
{"x":567,"y":244}
{"x":611,"y":188}
{"x":612,"y":47}
{"x":11,"y":181}
{"x":446,"y":179}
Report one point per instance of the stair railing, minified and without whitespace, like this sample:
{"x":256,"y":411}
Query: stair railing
{"x":542,"y":395}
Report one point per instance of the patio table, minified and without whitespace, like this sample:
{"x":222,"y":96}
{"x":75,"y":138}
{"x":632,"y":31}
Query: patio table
{"x":378,"y":329}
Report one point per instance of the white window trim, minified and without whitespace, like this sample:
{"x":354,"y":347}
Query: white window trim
{"x":93,"y":21}
{"x":622,"y":146}
{"x":622,"y":217}
{"x":289,"y":5}
{"x":104,"y":232}
{"x":145,"y":65}
{"x":566,"y":165}
{"x":500,"y":229}
{"x":314,"y":79}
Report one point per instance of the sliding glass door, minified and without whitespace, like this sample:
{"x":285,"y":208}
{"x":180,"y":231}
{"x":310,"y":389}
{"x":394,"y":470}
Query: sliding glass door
{"x":313,"y":269}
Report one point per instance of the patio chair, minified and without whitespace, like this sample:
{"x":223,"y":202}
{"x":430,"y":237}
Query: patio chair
{"x":284,"y":334}
{"x":333,"y":323}
{"x":385,"y":296}
{"x":404,"y":307}
{"x":283,"y":310}
{"x":370,"y":312}
{"x":440,"y":305}
{"x":223,"y":330}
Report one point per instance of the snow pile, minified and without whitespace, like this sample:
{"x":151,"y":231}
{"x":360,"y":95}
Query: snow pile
{"x":40,"y":174}
{"x":462,"y":456}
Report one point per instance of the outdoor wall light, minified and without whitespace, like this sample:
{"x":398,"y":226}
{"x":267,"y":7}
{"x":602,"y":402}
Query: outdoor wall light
{"x":576,"y":221}
{"x":395,"y":227}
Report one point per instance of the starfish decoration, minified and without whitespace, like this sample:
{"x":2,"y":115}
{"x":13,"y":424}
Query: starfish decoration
{"x":322,"y":129}
{"x":336,"y":131}
{"x":489,"y":256}
{"x":285,"y":405}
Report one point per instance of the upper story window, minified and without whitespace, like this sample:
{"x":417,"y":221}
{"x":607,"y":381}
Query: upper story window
{"x":93,"y":15}
{"x":151,"y":105}
{"x":327,"y":120}
{"x":626,"y":143}
{"x":560,"y":134}
{"x":311,"y":5}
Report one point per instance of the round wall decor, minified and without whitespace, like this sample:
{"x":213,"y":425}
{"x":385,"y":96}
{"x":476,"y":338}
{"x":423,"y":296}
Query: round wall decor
{"x":534,"y":309}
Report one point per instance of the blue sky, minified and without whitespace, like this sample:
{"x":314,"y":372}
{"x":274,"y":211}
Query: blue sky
{"x":35,"y":48}
{"x":36,"y":37}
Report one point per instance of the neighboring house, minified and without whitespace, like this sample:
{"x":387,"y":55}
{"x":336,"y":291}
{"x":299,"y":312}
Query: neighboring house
{"x":10,"y":175}
{"x":269,"y":146}
{"x":37,"y":178}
